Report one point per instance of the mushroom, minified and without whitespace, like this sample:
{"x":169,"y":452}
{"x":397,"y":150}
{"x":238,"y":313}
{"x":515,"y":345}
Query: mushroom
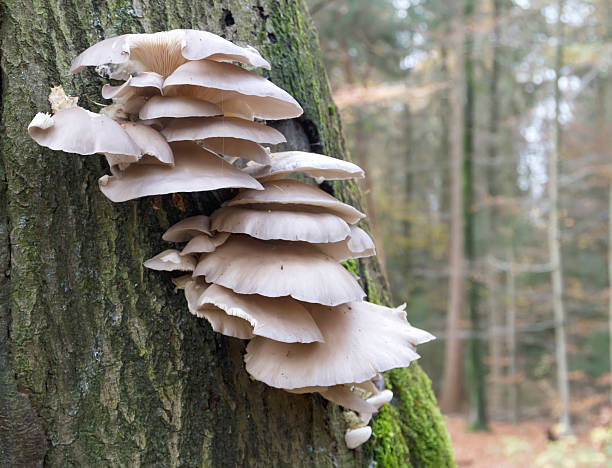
{"x":343,"y":396}
{"x":222,"y":82}
{"x":151,"y":144}
{"x":171,"y":260}
{"x":361,"y":339}
{"x":204,"y":244}
{"x":317,"y":166}
{"x":187,"y":229}
{"x":177,"y":107}
{"x":356,"y":437}
{"x":162,"y":52}
{"x":278,"y":268}
{"x":295,"y":193}
{"x":357,"y":245}
{"x":282,"y":224}
{"x":195,"y":170}
{"x":281,"y":319}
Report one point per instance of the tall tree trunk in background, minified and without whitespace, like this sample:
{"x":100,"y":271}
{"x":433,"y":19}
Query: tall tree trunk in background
{"x":495,"y":342}
{"x":451,"y":394}
{"x":100,"y":362}
{"x":554,"y":238}
{"x":610,"y":277}
{"x":475,"y":362}
{"x":512,"y":406}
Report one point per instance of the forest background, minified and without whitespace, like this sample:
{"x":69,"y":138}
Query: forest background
{"x":485,"y":129}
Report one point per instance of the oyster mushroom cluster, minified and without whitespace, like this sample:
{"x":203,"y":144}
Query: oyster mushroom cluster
{"x":265,"y":266}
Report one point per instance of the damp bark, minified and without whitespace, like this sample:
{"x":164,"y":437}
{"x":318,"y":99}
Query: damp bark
{"x":100,"y":362}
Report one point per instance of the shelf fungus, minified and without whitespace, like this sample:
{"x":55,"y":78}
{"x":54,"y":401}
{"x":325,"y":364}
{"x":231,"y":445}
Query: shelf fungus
{"x":266,"y":265}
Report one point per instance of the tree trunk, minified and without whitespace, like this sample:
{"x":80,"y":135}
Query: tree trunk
{"x":554,"y":239}
{"x":475,"y":357}
{"x":450,"y":400}
{"x":100,"y":362}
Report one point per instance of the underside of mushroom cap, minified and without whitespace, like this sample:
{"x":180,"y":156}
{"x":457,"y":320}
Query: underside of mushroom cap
{"x":293,"y":192}
{"x":202,"y":128}
{"x":343,"y":396}
{"x":77,"y":130}
{"x":314,"y":165}
{"x":188,"y":228}
{"x":278,"y":268}
{"x":218,"y":82}
{"x":195,"y":170}
{"x":361,"y":339}
{"x":162,"y":52}
{"x":171,"y":260}
{"x":282,"y":224}
{"x":279,"y":319}
{"x":177,"y":107}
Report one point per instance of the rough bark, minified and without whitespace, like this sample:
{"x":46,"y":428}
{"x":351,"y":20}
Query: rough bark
{"x":101,"y":364}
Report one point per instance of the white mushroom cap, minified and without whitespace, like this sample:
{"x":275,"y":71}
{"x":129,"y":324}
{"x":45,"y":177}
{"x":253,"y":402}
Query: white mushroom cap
{"x":203,"y":243}
{"x":343,"y":396}
{"x":219,"y":82}
{"x":162,"y":52}
{"x":142,"y":84}
{"x":280,"y":319}
{"x":177,"y":107}
{"x":171,"y":260}
{"x":361,"y":339}
{"x":202,"y":128}
{"x":283,"y":224}
{"x":220,"y":322}
{"x":188,"y":228}
{"x":77,"y":130}
{"x":150,"y":142}
{"x":278,"y":268}
{"x":356,"y":437}
{"x":195,"y":170}
{"x":293,"y":192}
{"x":380,"y":398}
{"x":315,"y":165}
{"x":357,"y":245}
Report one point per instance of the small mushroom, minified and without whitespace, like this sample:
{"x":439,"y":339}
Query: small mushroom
{"x":162,"y":52}
{"x":282,"y":224}
{"x":142,"y":84}
{"x":195,"y":170}
{"x":276,"y":269}
{"x":357,"y":245}
{"x":188,"y":228}
{"x":318,"y":166}
{"x":293,"y":192}
{"x":218,"y":82}
{"x":177,"y":107}
{"x":343,"y":396}
{"x":171,"y":260}
{"x":150,"y":142}
{"x":356,"y":437}
{"x":204,"y":244}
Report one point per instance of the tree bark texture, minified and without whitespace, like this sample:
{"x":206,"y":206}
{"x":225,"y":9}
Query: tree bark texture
{"x":100,"y":362}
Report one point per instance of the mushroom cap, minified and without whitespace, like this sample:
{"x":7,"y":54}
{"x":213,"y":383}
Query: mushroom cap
{"x":203,"y":243}
{"x":361,"y":339}
{"x":278,"y":268}
{"x":202,"y":128}
{"x":163,"y":52}
{"x":380,"y":399}
{"x":282,"y":224}
{"x":150,"y":142}
{"x":171,"y":260}
{"x":188,"y":228}
{"x":279,"y":319}
{"x":195,"y":170}
{"x":343,"y":396}
{"x":357,"y":245}
{"x":293,"y":192}
{"x":220,"y":321}
{"x":236,"y":147}
{"x":315,"y":165}
{"x":77,"y":130}
{"x":142,"y":84}
{"x":177,"y":107}
{"x":219,"y":82}
{"x":356,"y":437}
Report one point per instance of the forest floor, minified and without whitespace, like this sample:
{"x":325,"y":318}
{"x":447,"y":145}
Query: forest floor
{"x":526,"y":445}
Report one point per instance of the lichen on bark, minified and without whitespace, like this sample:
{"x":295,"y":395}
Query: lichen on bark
{"x":100,"y":362}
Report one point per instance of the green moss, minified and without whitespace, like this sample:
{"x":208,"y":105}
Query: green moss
{"x":352,"y":266}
